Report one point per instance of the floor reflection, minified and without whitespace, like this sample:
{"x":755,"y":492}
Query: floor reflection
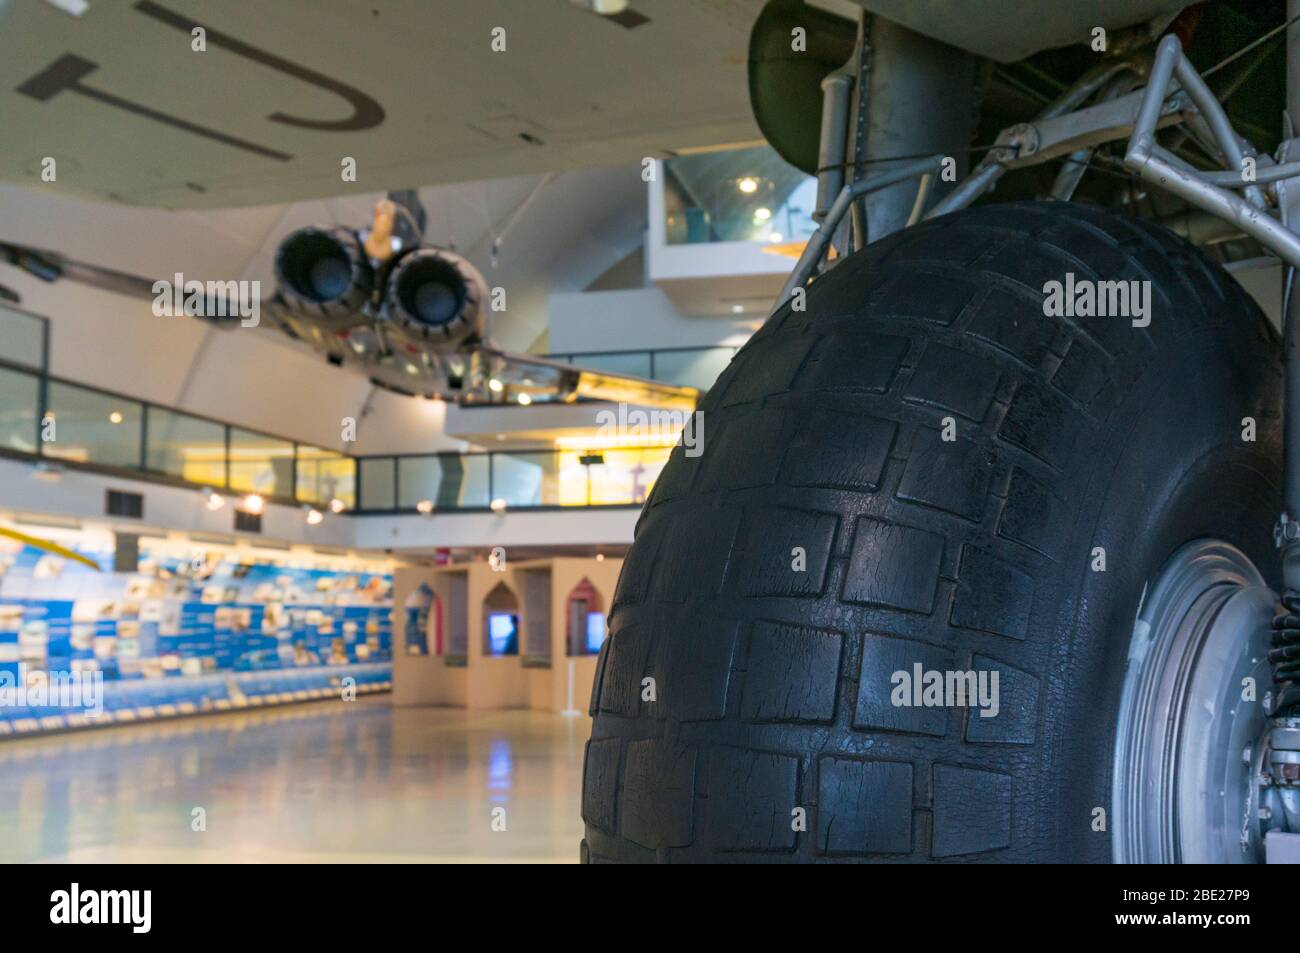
{"x":330,"y":781}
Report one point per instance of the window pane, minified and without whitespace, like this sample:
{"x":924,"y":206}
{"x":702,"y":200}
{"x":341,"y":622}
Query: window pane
{"x":526,"y":479}
{"x":21,"y":337}
{"x":449,"y":481}
{"x":187,"y":447}
{"x":325,"y":475}
{"x":696,"y":368}
{"x":20,"y":395}
{"x":260,"y":464}
{"x":90,"y":427}
{"x":737,"y":195}
{"x":624,"y":476}
{"x":377,"y":483}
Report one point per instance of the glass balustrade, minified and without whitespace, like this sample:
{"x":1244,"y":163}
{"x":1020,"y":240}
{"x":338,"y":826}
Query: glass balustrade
{"x":48,"y":417}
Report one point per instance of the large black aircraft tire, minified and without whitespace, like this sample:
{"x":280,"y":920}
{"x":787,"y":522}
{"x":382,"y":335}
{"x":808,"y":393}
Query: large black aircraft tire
{"x":829,"y":536}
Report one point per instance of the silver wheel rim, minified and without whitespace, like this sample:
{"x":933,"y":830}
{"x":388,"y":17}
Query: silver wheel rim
{"x":1181,"y":782}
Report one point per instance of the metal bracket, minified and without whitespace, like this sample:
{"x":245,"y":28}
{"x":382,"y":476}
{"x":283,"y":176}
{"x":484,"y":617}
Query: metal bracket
{"x":1285,"y":531}
{"x":1046,"y":137}
{"x":1093,"y":125}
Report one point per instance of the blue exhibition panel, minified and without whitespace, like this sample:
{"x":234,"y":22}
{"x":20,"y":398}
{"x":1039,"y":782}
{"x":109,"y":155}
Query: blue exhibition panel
{"x":190,"y":630}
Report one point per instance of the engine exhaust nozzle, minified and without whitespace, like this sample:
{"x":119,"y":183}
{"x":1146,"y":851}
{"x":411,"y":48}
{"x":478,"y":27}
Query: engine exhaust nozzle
{"x":324,"y":271}
{"x":436,"y":295}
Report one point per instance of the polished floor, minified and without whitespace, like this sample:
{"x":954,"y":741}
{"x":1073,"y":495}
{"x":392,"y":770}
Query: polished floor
{"x":330,"y":781}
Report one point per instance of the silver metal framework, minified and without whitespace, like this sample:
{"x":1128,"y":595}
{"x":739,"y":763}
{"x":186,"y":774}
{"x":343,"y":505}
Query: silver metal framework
{"x":1160,"y":167}
{"x":821,"y":239}
{"x":1246,"y":194}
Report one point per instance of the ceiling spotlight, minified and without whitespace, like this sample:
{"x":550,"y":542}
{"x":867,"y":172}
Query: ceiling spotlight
{"x":337,"y":505}
{"x":762,"y":214}
{"x":253,"y":504}
{"x":115,"y":417}
{"x":498,"y":505}
{"x":748,"y":185}
{"x":606,"y":8}
{"x":495,"y":386}
{"x":737,"y":309}
{"x":424,"y":506}
{"x":212,"y":499}
{"x":775,"y":237}
{"x":314,"y":515}
{"x":524,"y":400}
{"x":600,"y":557}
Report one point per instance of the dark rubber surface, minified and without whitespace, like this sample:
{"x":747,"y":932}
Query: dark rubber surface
{"x":772,"y":685}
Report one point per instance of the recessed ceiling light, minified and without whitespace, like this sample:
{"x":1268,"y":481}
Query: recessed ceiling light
{"x":748,"y":185}
{"x":115,"y":417}
{"x":525,"y":400}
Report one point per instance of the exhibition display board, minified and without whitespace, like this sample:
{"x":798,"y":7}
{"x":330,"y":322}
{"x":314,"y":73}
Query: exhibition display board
{"x":193,"y":626}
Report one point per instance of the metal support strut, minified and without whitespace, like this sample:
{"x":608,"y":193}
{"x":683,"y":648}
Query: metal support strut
{"x":821,"y":239}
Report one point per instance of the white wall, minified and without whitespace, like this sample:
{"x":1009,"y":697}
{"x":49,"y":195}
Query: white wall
{"x":639,"y":319}
{"x":1265,"y":286}
{"x":546,"y":528}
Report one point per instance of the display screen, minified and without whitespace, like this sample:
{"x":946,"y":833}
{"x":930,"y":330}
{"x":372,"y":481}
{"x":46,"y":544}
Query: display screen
{"x":595,"y":632}
{"x":503,"y":633}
